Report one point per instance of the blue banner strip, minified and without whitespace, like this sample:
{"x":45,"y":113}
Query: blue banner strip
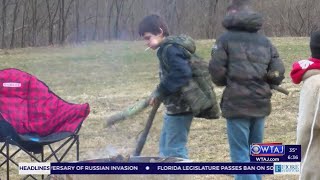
{"x":161,"y":168}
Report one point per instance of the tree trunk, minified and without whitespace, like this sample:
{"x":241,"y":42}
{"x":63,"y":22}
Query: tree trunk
{"x":211,"y":18}
{"x":119,"y":7}
{"x":15,"y":14}
{"x":77,"y":22}
{"x":64,"y":17}
{"x":94,"y":36}
{"x":109,"y":20}
{"x":23,"y":22}
{"x":62,"y":22}
{"x":4,"y":23}
{"x":34,"y":22}
{"x":50,"y":26}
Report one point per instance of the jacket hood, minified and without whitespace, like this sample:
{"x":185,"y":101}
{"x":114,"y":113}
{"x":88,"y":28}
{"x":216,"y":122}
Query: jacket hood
{"x":243,"y":21}
{"x":183,"y":40}
{"x":304,"y":69}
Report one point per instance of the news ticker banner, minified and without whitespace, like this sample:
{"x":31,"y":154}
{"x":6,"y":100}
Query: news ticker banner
{"x":160,"y":168}
{"x":275,"y":152}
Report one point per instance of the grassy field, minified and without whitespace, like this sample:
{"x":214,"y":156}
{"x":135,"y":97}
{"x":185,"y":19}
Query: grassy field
{"x":112,"y":75}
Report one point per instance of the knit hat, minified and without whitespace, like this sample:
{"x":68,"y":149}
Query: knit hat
{"x":315,"y":44}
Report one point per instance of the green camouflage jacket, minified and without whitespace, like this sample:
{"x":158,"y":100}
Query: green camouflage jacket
{"x":175,"y":72}
{"x":246,"y":63}
{"x":196,"y":95}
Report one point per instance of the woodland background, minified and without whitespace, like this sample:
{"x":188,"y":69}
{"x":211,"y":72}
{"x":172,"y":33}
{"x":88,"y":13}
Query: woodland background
{"x":25,"y":23}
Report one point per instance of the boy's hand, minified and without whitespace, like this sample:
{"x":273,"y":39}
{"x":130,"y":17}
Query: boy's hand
{"x":153,"y":101}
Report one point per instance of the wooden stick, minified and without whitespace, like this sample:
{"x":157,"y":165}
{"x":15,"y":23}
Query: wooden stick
{"x":128,"y":112}
{"x":280,"y":89}
{"x":143,"y":137}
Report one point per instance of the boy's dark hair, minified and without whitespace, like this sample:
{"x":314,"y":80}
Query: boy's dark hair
{"x":152,"y":24}
{"x":315,"y":44}
{"x":239,"y":5}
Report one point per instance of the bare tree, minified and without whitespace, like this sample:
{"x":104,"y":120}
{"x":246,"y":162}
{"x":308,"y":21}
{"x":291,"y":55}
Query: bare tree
{"x":94,"y":36}
{"x":180,"y":11}
{"x":119,"y":9}
{"x":110,"y":12}
{"x":52,"y":13}
{"x":126,"y":15}
{"x":77,"y":21}
{"x":15,"y":14}
{"x":34,"y":22}
{"x":34,"y":8}
{"x":211,"y":18}
{"x":24,"y":16}
{"x":4,"y":23}
{"x":63,"y":19}
{"x":168,"y":12}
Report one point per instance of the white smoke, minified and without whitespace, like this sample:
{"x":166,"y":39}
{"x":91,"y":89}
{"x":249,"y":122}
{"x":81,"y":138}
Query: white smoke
{"x":107,"y":152}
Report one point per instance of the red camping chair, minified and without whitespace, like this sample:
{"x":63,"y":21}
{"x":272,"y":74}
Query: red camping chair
{"x":32,"y":117}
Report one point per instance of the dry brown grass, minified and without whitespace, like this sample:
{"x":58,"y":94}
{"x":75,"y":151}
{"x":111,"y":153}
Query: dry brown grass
{"x":112,"y":75}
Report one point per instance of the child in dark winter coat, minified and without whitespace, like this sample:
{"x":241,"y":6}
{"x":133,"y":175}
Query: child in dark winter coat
{"x":246,"y":63}
{"x":175,"y":72}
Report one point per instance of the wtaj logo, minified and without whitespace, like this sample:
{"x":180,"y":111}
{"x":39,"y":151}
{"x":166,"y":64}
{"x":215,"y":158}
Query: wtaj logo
{"x":267,"y":149}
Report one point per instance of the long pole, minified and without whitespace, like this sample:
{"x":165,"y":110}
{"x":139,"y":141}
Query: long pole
{"x":143,"y":137}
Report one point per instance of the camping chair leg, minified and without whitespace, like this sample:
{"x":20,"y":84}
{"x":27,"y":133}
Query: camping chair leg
{"x":4,"y":145}
{"x":54,"y":153}
{"x":73,"y":138}
{"x":78,"y":144}
{"x":2,"y":152}
{"x":7,"y":149}
{"x":10,"y":158}
{"x":57,"y":150}
{"x":26,"y":177}
{"x":42,"y":176}
{"x":68,"y":149}
{"x":27,"y":152}
{"x":42,"y":154}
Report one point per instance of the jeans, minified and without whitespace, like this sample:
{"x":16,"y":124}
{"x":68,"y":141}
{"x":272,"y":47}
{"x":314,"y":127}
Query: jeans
{"x":242,"y":132}
{"x":174,"y":136}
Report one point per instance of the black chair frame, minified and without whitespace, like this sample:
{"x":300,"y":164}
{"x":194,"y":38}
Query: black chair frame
{"x":5,"y":151}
